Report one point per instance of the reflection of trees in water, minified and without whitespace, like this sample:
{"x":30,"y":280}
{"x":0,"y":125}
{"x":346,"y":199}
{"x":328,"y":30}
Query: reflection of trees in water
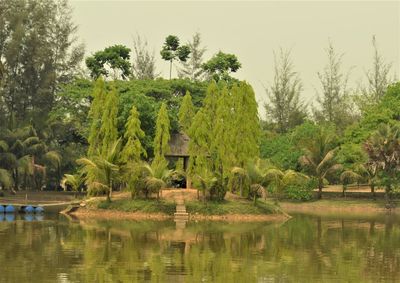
{"x":303,"y":249}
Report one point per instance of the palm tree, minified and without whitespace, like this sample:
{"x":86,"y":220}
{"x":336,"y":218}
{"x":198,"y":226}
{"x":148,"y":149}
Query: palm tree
{"x":279,"y":180}
{"x":347,"y":177}
{"x":100,"y":172}
{"x":204,"y":180}
{"x":155,"y":177}
{"x":238,"y":180}
{"x":73,"y":181}
{"x":259,"y":175}
{"x":319,"y":157}
{"x":27,"y":158}
{"x":368,"y":172}
{"x":383,"y":149}
{"x":53,"y":160}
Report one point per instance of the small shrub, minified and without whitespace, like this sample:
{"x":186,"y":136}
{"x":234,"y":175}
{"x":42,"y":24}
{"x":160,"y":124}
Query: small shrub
{"x":301,"y":192}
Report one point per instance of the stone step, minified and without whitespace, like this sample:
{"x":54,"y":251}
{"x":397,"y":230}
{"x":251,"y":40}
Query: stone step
{"x":177,"y":214}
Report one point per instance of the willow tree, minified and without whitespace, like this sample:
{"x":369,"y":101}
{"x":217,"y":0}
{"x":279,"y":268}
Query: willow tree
{"x":162,"y":136}
{"x":186,"y":112}
{"x":95,"y":115}
{"x":108,"y":129}
{"x":133,"y":148}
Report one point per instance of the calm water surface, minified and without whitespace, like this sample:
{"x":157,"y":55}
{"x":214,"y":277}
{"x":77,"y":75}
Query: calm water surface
{"x":303,"y":249}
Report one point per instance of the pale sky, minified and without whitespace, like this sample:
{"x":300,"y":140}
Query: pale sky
{"x":252,"y":30}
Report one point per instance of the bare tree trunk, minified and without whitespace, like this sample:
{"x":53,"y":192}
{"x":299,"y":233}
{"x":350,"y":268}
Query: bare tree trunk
{"x":170,"y":69}
{"x":387,"y":196}
{"x":320,"y":185}
{"x":373,"y":191}
{"x":109,"y":191}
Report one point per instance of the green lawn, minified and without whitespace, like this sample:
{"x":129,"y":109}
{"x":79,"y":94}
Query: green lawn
{"x":140,"y":205}
{"x":230,"y":207}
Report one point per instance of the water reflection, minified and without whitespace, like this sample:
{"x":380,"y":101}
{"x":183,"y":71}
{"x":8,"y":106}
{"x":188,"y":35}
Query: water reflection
{"x":304,"y":249}
{"x":29,"y":217}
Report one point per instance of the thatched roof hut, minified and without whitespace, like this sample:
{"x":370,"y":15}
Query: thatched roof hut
{"x":179,"y":145}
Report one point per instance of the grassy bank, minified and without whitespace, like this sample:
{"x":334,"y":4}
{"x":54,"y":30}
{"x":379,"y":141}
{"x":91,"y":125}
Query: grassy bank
{"x":340,"y":205}
{"x":139,"y":205}
{"x":230,"y":207}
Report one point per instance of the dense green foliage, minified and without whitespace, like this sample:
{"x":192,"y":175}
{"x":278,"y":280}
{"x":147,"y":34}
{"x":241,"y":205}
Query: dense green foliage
{"x":38,"y":53}
{"x":114,"y":57}
{"x":221,"y":65}
{"x":107,"y":134}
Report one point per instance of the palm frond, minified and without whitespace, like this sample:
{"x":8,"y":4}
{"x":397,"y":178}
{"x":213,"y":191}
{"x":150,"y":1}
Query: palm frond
{"x":3,"y":146}
{"x":293,"y":177}
{"x":53,"y":157}
{"x":25,"y":164}
{"x":154,"y":184}
{"x":349,"y":176}
{"x":86,"y":162}
{"x":326,"y":162}
{"x":30,"y":141}
{"x":71,"y":180}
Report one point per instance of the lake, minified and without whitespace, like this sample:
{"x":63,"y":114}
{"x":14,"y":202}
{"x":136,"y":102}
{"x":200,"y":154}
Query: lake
{"x":303,"y":249}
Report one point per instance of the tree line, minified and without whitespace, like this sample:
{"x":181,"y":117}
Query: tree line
{"x":116,"y":117}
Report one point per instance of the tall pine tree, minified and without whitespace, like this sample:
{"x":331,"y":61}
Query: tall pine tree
{"x":199,"y":149}
{"x":246,"y":131}
{"x":285,"y":108}
{"x":222,"y":142}
{"x":95,"y":115}
{"x":162,"y":136}
{"x":192,"y":68}
{"x":186,"y":112}
{"x":133,"y":148}
{"x":108,"y":129}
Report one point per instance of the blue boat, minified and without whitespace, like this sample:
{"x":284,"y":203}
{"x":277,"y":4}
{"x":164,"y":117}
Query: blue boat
{"x":1,"y":208}
{"x":10,"y":209}
{"x":39,"y":209}
{"x":29,"y":209}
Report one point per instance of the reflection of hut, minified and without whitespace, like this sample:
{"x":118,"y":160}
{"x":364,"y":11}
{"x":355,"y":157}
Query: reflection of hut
{"x":179,"y":148}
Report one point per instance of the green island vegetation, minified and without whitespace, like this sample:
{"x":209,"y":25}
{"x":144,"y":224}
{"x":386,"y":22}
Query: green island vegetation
{"x":107,"y":127}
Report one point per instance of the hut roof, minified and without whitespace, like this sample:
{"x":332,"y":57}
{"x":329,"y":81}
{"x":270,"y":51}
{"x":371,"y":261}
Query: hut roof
{"x":179,"y":145}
